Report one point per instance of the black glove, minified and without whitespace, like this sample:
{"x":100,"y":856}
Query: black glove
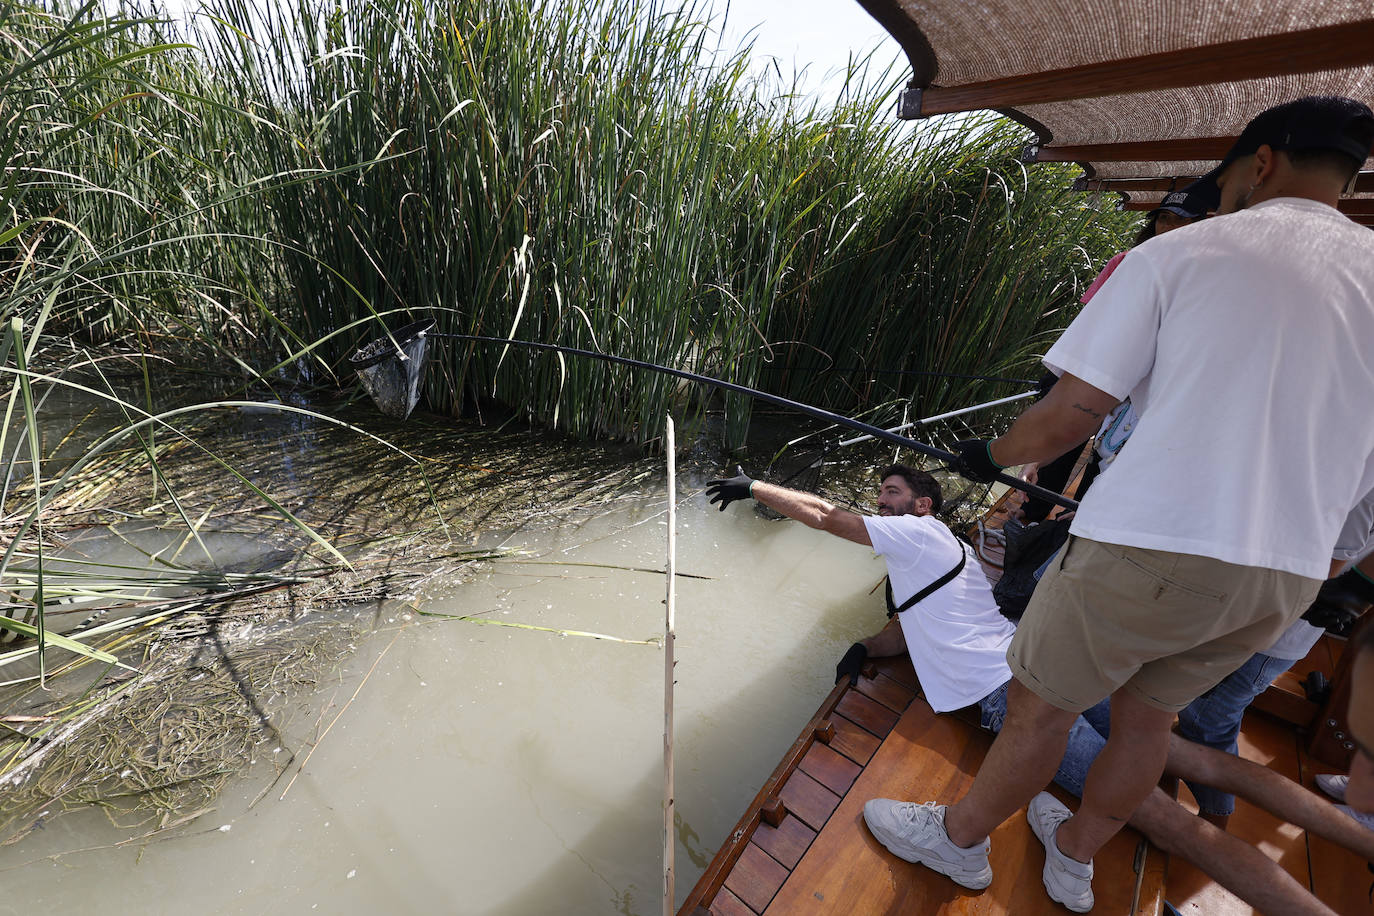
{"x":974,"y":462}
{"x":1046,"y":382}
{"x":1341,"y":601}
{"x":851,"y":664}
{"x":727,"y":490}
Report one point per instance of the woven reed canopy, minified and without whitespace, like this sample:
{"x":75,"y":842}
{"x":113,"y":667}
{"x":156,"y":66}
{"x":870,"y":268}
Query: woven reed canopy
{"x":1145,"y":95}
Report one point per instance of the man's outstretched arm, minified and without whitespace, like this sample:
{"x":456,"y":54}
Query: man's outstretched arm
{"x":807,"y":508}
{"x":812,"y":511}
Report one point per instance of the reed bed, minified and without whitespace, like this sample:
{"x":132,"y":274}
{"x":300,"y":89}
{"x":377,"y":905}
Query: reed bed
{"x":269,"y":185}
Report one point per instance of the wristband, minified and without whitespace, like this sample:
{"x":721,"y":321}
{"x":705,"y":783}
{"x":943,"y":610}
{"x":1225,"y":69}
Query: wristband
{"x":1359,"y":583}
{"x":992,"y":461}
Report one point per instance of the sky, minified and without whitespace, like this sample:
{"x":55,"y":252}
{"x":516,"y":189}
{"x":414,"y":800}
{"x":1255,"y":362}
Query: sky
{"x":814,"y":36}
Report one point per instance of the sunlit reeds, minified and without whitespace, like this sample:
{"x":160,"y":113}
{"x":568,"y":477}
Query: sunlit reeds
{"x":599,"y":176}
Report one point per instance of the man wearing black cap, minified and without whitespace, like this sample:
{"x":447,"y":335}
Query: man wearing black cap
{"x":1178,"y":209}
{"x":1242,"y":342}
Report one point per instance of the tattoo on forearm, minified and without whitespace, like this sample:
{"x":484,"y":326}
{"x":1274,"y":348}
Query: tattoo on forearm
{"x":1088,"y":410}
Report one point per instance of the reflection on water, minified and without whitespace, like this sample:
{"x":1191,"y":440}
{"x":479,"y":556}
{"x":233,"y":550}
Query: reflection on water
{"x":492,"y":770}
{"x":108,"y":572}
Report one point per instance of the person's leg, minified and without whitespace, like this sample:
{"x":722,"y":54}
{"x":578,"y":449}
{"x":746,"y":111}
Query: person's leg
{"x":992,"y":709}
{"x":1020,"y":763}
{"x":1123,"y":775}
{"x":886,"y":642}
{"x":1054,"y":676}
{"x":1232,"y":863}
{"x":1359,"y":792}
{"x":1271,"y":791}
{"x":1214,"y":720}
{"x":1087,"y":737}
{"x":1235,"y":865}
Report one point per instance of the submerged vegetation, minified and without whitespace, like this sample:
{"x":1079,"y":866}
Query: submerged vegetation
{"x":247,"y":197}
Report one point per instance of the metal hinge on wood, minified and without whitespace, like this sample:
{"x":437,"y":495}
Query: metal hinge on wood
{"x":909,"y":104}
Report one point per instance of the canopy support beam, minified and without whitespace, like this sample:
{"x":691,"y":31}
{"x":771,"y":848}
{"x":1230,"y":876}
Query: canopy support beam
{"x":1182,"y":150}
{"x":1364,"y":184}
{"x":1331,"y":47}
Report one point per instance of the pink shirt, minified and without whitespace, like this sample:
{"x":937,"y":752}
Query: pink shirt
{"x":1102,"y":277}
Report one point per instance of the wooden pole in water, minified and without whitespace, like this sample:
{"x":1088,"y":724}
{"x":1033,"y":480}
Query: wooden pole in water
{"x":669,"y":833}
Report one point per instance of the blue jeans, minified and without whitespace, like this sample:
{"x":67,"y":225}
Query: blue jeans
{"x":993,"y":709}
{"x":1214,"y":718}
{"x":1086,"y":737}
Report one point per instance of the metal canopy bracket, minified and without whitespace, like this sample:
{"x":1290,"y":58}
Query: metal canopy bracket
{"x":909,"y":104}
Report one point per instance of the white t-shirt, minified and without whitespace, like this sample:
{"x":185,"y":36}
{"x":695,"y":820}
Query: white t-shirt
{"x":1244,"y":344}
{"x":1296,"y":641}
{"x":1357,"y":535}
{"x":956,"y":636}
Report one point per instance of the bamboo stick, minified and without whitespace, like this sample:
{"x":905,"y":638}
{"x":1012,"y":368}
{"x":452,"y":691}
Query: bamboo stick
{"x":669,"y":834}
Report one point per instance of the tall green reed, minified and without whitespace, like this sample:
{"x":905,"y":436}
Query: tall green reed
{"x":602,"y":177}
{"x":271,"y":185}
{"x":130,"y":226}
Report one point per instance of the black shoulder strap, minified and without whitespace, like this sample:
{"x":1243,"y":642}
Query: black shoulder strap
{"x":893,"y":609}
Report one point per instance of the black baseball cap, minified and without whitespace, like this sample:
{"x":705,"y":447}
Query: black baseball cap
{"x":1192,"y":201}
{"x":1316,"y":122}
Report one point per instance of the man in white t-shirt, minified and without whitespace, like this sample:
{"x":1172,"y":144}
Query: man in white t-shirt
{"x":1242,"y":342}
{"x":955,"y":634}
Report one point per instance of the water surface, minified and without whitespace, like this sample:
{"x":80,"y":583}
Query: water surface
{"x":481,"y":769}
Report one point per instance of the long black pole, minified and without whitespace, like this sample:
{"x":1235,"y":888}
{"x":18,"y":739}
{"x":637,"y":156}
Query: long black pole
{"x":876,"y":432}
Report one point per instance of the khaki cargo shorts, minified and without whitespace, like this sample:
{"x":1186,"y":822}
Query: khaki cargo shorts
{"x":1167,"y":626}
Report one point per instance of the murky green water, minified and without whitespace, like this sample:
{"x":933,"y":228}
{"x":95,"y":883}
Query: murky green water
{"x":490,"y":770}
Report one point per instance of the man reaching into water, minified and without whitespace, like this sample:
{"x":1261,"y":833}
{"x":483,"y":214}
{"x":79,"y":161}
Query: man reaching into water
{"x":957,"y":640}
{"x":934,"y":582}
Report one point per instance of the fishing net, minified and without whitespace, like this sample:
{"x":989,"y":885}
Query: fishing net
{"x":392,"y":368}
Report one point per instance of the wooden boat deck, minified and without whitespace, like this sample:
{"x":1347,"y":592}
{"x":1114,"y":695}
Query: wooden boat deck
{"x":801,"y":846}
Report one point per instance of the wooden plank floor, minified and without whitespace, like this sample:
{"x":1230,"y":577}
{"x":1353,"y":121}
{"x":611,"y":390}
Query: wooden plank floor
{"x":803,"y":793}
{"x":928,"y":756}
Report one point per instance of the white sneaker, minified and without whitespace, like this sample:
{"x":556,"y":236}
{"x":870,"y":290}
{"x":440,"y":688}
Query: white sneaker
{"x":917,"y":833}
{"x":1333,"y":785}
{"x":1067,"y":880}
{"x":1366,"y":820}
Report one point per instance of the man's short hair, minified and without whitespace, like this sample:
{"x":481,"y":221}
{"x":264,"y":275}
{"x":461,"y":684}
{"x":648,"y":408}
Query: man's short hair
{"x":1325,"y":160}
{"x":921,"y":483}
